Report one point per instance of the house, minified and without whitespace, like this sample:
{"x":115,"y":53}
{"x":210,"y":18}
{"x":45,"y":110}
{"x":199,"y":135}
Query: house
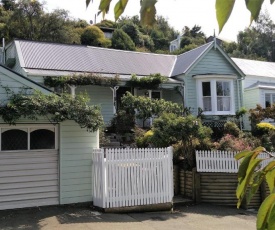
{"x":175,"y":44}
{"x":259,"y":84}
{"x":41,"y":163}
{"x":204,"y":77}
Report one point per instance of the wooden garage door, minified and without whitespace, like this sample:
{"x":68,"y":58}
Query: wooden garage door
{"x":28,"y":178}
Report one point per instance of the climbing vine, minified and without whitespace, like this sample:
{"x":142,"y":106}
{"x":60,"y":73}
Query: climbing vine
{"x":54,"y":107}
{"x":81,"y":79}
{"x":149,"y":82}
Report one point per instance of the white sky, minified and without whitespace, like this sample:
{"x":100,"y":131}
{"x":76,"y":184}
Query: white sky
{"x":179,"y":13}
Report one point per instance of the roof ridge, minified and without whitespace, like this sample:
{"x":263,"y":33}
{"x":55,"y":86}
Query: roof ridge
{"x":192,"y":50}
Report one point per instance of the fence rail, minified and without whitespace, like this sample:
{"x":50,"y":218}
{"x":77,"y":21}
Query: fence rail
{"x":130,"y":177}
{"x":222,"y":161}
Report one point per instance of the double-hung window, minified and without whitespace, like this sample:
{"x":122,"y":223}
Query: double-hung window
{"x":215,"y":95}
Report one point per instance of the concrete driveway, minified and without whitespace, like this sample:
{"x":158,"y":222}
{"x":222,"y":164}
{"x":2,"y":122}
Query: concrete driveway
{"x":67,"y":217}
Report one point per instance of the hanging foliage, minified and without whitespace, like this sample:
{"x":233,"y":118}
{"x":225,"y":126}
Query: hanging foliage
{"x":54,"y":107}
{"x":81,"y":79}
{"x":149,"y":82}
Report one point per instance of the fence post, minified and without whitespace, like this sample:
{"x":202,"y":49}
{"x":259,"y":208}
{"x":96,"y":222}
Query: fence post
{"x":104,"y":178}
{"x":196,"y":193}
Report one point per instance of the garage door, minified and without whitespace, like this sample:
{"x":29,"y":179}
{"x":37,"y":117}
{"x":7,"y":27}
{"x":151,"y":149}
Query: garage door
{"x":28,"y":167}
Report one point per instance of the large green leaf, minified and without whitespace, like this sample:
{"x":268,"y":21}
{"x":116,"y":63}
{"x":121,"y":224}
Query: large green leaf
{"x":266,"y":208}
{"x":255,"y":183}
{"x":271,"y":219}
{"x":243,"y":167}
{"x":148,"y":12}
{"x":242,"y":154}
{"x":104,"y":6}
{"x":271,"y":1}
{"x":223,"y":11}
{"x":242,"y":186}
{"x":119,"y":8}
{"x":270,"y":179}
{"x":254,"y":6}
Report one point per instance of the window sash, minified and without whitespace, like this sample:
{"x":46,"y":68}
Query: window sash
{"x":28,"y":129}
{"x":216,"y":96}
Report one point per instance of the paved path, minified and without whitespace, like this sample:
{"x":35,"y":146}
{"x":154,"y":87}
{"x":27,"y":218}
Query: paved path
{"x":69,"y":217}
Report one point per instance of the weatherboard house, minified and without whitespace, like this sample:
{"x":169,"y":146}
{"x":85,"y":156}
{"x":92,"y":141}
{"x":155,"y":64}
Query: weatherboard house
{"x":61,"y":173}
{"x":205,"y":77}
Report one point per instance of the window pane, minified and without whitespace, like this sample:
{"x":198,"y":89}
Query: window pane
{"x":267,"y":100}
{"x":207,"y":106}
{"x":42,"y":139}
{"x":206,"y":89}
{"x":223,"y":88}
{"x":14,"y":139}
{"x":223,"y":103}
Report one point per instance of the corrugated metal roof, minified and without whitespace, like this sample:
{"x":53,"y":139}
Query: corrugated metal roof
{"x":256,"y":68}
{"x":186,"y":60}
{"x":77,"y":58}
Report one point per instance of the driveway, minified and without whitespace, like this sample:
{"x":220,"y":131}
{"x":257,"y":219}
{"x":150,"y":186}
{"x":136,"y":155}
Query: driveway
{"x":67,"y":217}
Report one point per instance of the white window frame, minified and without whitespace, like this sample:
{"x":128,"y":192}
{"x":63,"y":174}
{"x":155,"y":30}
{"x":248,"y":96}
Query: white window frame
{"x":272,"y":102}
{"x":29,"y":128}
{"x":213,"y":80}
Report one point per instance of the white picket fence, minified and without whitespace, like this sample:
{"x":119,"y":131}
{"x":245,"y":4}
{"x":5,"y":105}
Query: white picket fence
{"x":130,"y":177}
{"x":222,"y":161}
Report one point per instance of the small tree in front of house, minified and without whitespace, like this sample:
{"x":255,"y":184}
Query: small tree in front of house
{"x":145,"y":107}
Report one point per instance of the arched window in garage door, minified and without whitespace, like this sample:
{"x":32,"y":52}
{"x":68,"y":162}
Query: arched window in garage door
{"x":28,"y":138}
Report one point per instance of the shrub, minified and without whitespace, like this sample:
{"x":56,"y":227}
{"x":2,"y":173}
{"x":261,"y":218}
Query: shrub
{"x":264,"y":127}
{"x":122,"y":41}
{"x":93,"y":36}
{"x":232,"y":143}
{"x":123,"y":122}
{"x":231,"y":128}
{"x":144,"y":140}
{"x":188,"y":131}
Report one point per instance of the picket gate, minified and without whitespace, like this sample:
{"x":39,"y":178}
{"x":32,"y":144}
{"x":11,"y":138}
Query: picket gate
{"x":222,"y":161}
{"x":131,"y":177}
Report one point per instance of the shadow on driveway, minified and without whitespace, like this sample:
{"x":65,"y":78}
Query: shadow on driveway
{"x":53,"y":217}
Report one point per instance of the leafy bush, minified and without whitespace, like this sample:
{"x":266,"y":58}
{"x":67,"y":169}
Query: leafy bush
{"x":122,"y":41}
{"x":146,"y":108}
{"x":144,"y":140}
{"x":93,"y":36}
{"x":123,"y":122}
{"x":231,"y":143}
{"x":170,"y":129}
{"x":231,"y":128}
{"x":264,"y":127}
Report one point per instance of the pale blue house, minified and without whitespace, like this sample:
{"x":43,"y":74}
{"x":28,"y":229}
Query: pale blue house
{"x":201,"y":78}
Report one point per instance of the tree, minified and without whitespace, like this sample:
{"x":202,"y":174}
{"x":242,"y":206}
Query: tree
{"x":133,"y":31}
{"x":257,"y":41}
{"x":122,"y":41}
{"x":27,"y":19}
{"x":8,"y":4}
{"x":93,"y":36}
